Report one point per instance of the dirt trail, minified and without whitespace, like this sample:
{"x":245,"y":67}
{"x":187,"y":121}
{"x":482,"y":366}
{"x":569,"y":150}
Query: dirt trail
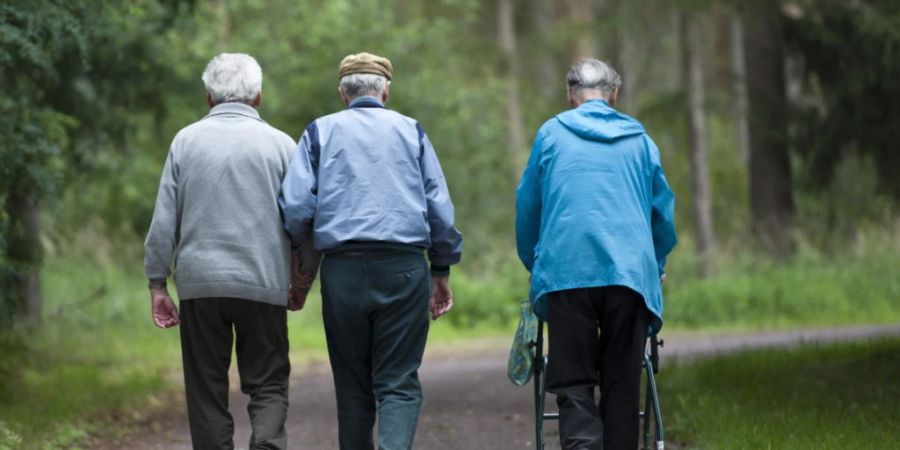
{"x":469,"y":404}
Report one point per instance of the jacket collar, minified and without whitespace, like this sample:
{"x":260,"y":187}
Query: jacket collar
{"x":240,"y":109}
{"x":596,"y":102}
{"x":365,"y":102}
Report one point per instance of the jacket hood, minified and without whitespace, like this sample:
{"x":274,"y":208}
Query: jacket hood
{"x":597,"y":121}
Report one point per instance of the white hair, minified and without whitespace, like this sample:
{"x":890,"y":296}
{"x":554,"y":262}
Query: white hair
{"x":360,"y":84}
{"x":233,"y":77}
{"x":591,"y":74}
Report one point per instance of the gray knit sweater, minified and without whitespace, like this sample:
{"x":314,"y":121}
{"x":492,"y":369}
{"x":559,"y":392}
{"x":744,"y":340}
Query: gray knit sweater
{"x":217,"y":215}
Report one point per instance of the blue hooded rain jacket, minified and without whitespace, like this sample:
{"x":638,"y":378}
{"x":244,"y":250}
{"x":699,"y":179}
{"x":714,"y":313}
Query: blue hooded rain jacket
{"x":593,"y":207}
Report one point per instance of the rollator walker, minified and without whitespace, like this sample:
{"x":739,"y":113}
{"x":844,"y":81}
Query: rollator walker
{"x":650,"y":415}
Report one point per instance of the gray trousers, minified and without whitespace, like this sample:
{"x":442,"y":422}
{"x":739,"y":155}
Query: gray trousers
{"x":375,"y":309}
{"x":208,"y":330}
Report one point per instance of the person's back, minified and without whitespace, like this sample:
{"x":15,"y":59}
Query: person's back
{"x":370,"y":187}
{"x":230,"y":166}
{"x":217,"y":220}
{"x":593,"y":226}
{"x":379,"y":202}
{"x":598,"y":167}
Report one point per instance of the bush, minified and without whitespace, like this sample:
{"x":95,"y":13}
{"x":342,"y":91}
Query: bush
{"x":489,"y":300}
{"x":856,"y":285}
{"x":8,"y":439}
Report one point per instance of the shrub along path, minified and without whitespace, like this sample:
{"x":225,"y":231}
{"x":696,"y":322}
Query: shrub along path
{"x":469,"y":404}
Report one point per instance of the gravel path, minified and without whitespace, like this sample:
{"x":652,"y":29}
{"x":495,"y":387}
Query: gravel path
{"x":469,"y":404}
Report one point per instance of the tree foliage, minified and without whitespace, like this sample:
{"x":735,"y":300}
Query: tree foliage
{"x":849,"y":54}
{"x":72,"y":73}
{"x":95,"y":90}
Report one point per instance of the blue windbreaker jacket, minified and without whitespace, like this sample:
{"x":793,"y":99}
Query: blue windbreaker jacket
{"x":369,"y":174}
{"x":593,"y":207}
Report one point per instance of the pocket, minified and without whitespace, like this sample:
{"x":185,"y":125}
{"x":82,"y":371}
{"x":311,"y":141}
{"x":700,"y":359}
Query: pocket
{"x":404,"y":278}
{"x":397,"y":280}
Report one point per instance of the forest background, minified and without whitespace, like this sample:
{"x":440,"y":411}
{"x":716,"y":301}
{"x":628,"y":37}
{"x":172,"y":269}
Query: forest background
{"x":777,"y":123}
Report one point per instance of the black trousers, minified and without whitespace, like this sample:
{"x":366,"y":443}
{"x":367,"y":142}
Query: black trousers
{"x":597,"y":338}
{"x":208,"y":330}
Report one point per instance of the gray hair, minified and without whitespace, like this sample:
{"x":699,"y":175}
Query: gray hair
{"x":233,"y":77}
{"x":591,"y":74}
{"x":360,"y":84}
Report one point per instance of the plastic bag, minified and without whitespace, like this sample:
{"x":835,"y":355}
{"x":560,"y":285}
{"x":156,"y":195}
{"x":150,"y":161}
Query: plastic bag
{"x":521,"y":355}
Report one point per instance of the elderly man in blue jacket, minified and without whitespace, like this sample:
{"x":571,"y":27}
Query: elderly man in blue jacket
{"x":594,"y":223}
{"x":367,"y":185}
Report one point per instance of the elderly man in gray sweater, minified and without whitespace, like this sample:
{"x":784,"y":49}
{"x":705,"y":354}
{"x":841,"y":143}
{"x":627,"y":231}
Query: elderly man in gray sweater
{"x":217,"y":218}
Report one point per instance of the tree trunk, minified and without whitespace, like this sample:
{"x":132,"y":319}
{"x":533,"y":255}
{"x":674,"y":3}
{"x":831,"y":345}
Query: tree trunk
{"x":692,"y":65}
{"x":581,"y":16}
{"x":629,"y":61}
{"x":550,"y":79}
{"x":739,"y":80}
{"x":506,"y":39}
{"x":771,"y":201}
{"x":24,"y":253}
{"x":220,"y":10}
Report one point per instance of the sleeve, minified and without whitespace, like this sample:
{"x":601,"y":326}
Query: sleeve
{"x":163,"y":235}
{"x":299,"y":189}
{"x":528,"y":205}
{"x":662,"y":211}
{"x":446,"y":240}
{"x":310,"y":258}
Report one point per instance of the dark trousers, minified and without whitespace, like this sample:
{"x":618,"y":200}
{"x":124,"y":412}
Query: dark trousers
{"x":597,"y":338}
{"x":375,"y":309}
{"x":208,"y":330}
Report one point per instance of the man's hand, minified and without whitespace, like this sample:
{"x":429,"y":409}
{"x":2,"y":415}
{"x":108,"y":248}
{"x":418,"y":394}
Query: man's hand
{"x":662,"y":279}
{"x":165,"y":314}
{"x":296,"y":298}
{"x":301,"y":282}
{"x":304,"y":265}
{"x":441,"y":297}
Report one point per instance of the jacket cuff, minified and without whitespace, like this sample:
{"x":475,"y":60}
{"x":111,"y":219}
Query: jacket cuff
{"x":440,"y":271}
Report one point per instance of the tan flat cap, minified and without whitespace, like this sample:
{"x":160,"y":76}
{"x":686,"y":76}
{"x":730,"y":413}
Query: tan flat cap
{"x":365,"y":63}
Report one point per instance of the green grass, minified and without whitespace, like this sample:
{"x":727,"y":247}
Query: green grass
{"x":838,"y":396}
{"x":855,"y":285}
{"x":96,"y":352}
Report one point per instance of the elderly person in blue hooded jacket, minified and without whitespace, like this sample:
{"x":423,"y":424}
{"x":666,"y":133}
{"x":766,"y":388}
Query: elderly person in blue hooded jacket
{"x":594,"y":223}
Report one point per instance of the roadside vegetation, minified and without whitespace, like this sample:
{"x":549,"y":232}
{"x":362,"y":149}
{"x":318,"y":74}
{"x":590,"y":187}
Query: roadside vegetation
{"x":98,"y":351}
